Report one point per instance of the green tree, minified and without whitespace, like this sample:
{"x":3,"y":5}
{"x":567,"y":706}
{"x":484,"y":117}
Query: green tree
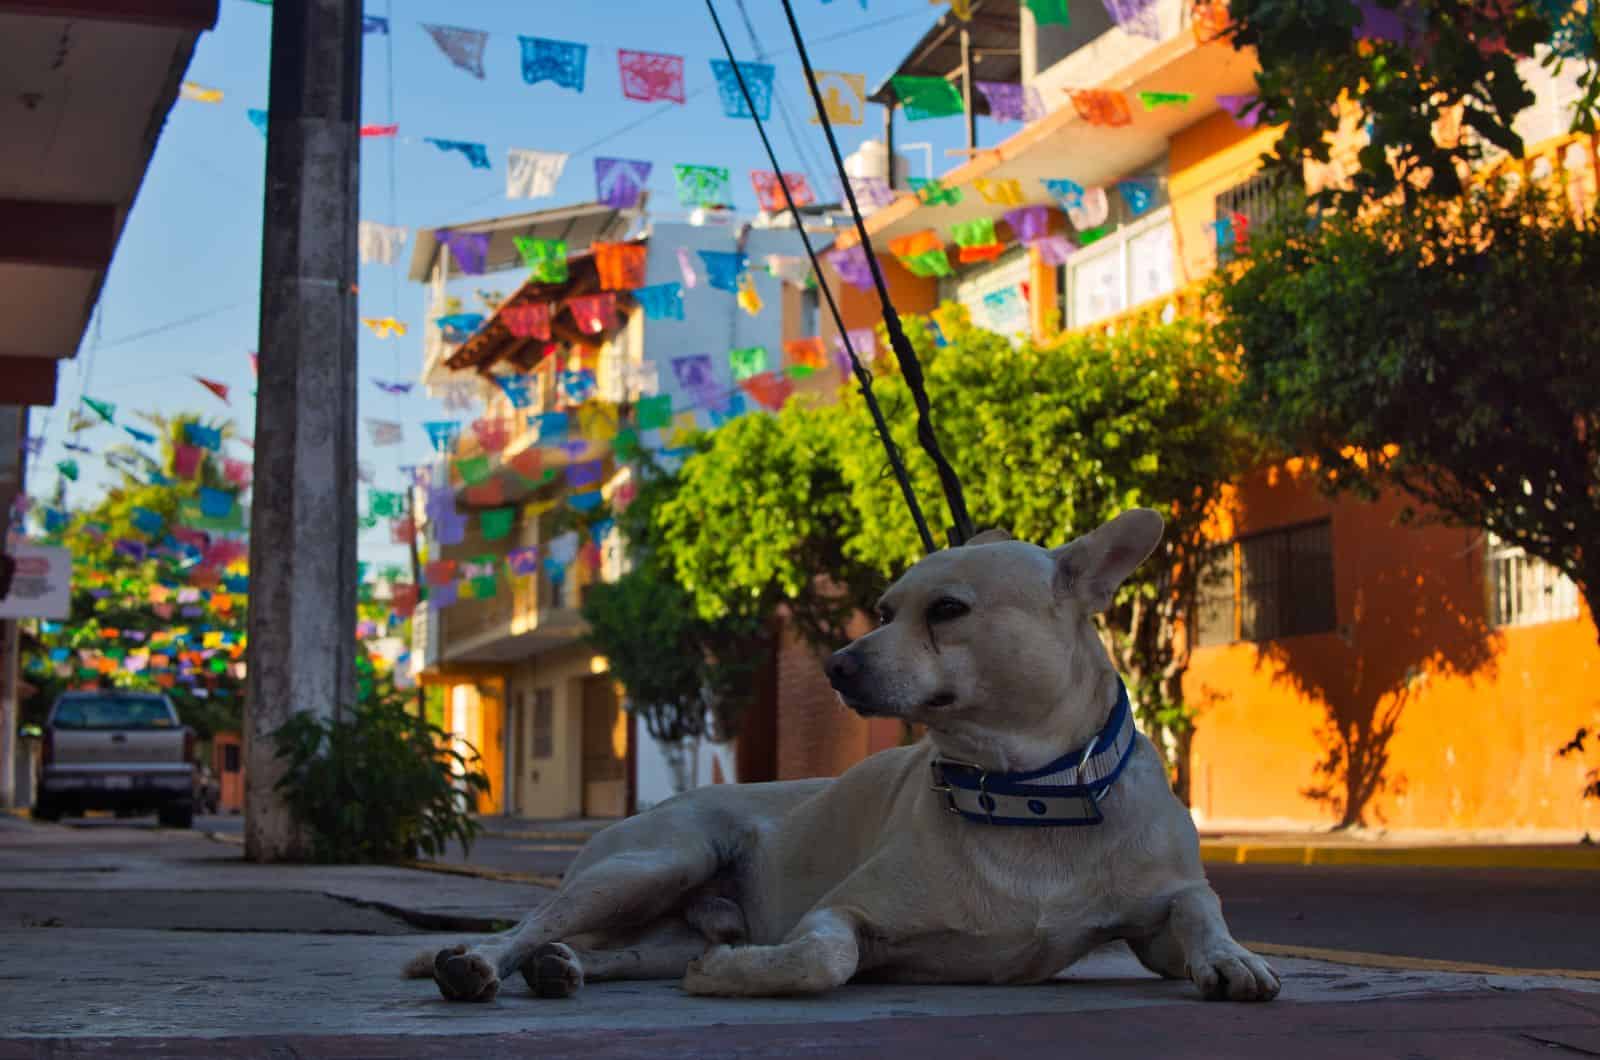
{"x":686,"y":675}
{"x":1445,"y":350}
{"x":1051,"y":441}
{"x":1399,"y":66}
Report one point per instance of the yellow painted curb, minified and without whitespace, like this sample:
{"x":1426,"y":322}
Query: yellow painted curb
{"x":1408,"y":964}
{"x":1441,"y":857}
{"x":576,"y":839}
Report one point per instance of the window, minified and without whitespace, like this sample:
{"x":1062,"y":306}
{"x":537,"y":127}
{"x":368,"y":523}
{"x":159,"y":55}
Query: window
{"x":230,"y":758}
{"x":544,"y":720}
{"x":1525,"y":590}
{"x":1122,"y":270}
{"x":1257,"y":200}
{"x":1267,"y":586}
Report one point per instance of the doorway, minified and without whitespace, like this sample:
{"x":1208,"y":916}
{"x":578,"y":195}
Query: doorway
{"x":605,"y":749}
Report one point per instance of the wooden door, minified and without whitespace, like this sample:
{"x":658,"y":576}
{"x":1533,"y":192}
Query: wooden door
{"x":605,"y":750}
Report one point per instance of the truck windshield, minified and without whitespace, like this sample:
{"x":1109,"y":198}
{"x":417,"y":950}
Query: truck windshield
{"x":113,"y":712}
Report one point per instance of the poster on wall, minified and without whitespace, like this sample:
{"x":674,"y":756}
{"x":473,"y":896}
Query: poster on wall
{"x":41,"y":586}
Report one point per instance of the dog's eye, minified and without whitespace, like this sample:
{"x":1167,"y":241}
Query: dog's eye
{"x":946,"y":609}
{"x":885,"y":615}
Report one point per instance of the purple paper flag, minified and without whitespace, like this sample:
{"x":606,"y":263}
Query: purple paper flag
{"x":443,"y":595}
{"x":871,"y":192}
{"x":1030,"y":223}
{"x":470,"y":249}
{"x":852,"y":266}
{"x":393,"y":388}
{"x":1009,"y":102}
{"x":585,"y":474}
{"x":1055,"y":249}
{"x":697,"y":377}
{"x":1243,"y":109}
{"x":1138,"y":17}
{"x":523,"y":561}
{"x":620,"y":181}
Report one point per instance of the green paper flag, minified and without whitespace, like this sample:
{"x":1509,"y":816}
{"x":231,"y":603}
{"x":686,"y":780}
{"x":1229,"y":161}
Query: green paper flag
{"x":68,"y":468}
{"x":747,"y":361}
{"x":546,"y":257}
{"x":626,"y":444}
{"x":1152,"y":100}
{"x":106,"y":409}
{"x":926,"y":97}
{"x":701,"y":185}
{"x":473,"y":470}
{"x":496,"y":523}
{"x":654,"y":412}
{"x":929,"y":263}
{"x":800,"y":371}
{"x":1049,"y":12}
{"x":367,"y":522}
{"x":1090,"y":235}
{"x":978,"y":233}
{"x":932,"y":193}
{"x":386,"y":503}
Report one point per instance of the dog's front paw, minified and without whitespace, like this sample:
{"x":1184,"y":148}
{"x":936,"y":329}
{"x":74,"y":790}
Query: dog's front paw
{"x":1229,"y":972}
{"x":712,"y":974}
{"x":553,"y":971}
{"x":464,"y":976}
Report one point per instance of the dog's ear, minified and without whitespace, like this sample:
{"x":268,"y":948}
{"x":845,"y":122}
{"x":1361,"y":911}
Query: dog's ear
{"x":1092,"y":566}
{"x":989,"y":537}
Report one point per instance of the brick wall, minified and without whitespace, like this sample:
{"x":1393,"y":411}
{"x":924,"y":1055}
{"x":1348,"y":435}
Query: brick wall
{"x":817,"y":736}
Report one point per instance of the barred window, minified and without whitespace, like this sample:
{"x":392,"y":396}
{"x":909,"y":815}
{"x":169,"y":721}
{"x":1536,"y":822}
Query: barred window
{"x":1525,"y":590}
{"x":544,"y":718}
{"x":1257,"y":199}
{"x":1267,"y":586}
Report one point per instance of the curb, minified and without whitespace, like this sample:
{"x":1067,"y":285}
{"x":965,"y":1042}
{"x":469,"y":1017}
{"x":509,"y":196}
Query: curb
{"x":1394,"y":962}
{"x":497,"y":875}
{"x":1435,"y":857}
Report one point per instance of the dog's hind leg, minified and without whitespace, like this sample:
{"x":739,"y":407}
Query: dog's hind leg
{"x":621,"y":890}
{"x":662,"y":951}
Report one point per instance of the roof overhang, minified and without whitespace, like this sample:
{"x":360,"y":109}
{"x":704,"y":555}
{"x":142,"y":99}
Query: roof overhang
{"x":994,"y":34}
{"x":578,"y":226}
{"x":90,"y":84}
{"x":1063,"y":145}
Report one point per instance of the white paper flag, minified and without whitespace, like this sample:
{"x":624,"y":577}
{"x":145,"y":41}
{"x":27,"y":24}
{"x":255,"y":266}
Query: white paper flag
{"x":789,"y":269}
{"x":380,"y":243}
{"x":532,"y":174}
{"x":384,"y":432}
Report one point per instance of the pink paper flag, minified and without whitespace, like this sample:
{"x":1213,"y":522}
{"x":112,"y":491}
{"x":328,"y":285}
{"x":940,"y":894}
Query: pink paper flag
{"x":219,"y":389}
{"x":593,"y":312}
{"x":651,"y":77}
{"x":530,"y":320}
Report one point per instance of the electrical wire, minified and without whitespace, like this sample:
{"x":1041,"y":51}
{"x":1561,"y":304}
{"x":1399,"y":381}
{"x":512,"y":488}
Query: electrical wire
{"x":863,"y":377}
{"x":961,"y":522}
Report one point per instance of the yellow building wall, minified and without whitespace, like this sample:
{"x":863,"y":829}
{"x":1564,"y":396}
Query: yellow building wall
{"x":474,"y":715}
{"x":553,"y":787}
{"x":1205,"y":160}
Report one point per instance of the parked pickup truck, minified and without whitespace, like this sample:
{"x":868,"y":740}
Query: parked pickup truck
{"x":123,"y":751}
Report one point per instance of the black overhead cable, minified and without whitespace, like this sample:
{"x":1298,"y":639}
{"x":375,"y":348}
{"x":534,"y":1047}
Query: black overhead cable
{"x":961,"y":529}
{"x":863,"y":376}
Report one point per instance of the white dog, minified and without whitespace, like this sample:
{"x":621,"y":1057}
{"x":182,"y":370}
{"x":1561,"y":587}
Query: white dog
{"x":1031,"y":824}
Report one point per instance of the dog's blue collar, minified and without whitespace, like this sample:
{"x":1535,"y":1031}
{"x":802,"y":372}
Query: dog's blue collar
{"x":1065,"y":792}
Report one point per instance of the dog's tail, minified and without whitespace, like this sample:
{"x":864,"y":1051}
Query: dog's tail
{"x":420,"y":966}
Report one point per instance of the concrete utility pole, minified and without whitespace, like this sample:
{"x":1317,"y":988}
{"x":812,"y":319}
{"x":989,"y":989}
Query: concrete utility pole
{"x":303,"y":523}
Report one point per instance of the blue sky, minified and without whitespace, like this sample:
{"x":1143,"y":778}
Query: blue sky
{"x":181,"y":298}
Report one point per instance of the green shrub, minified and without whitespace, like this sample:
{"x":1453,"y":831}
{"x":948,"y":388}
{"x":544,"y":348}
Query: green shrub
{"x":380,"y":785}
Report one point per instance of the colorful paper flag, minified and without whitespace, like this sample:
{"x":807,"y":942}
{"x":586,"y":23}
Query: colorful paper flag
{"x":237,"y":472}
{"x":457,"y":328}
{"x":186,"y":460}
{"x":215,"y":503}
{"x":686,"y":269}
{"x":661,"y":301}
{"x":749,"y":298}
{"x":384,"y":327}
{"x":870,"y":192}
{"x":560,"y":62}
{"x":140,"y":436}
{"x":1005,"y":312}
{"x":374,"y":132}
{"x":393,"y":388}
{"x":757,"y":79}
{"x":469,"y":249}
{"x":528,"y":320}
{"x":769,"y":389}
{"x":533,"y":174}
{"x":931,"y":193}
{"x":1049,"y":12}
{"x":523,"y":562}
{"x":651,"y":77}
{"x":1152,"y":100}
{"x":1243,"y":108}
{"x":587,"y":473}
{"x":747,"y":361}
{"x":374,"y":24}
{"x":1011,"y":102}
{"x":1029,"y":224}
{"x":442,"y":434}
{"x":701,"y":185}
{"x":653,"y":413}
{"x":926,"y":97}
{"x":199,"y":93}
{"x":384,"y":432}
{"x":593,"y":312}
{"x":476,"y":154}
{"x":219,"y":389}
{"x":496,"y":523}
{"x":769,"y":189}
{"x":546,"y":258}
{"x":1138,"y":17}
{"x":104,"y":409}
{"x":1054,"y":249}
{"x":620,"y":266}
{"x":1000,"y":192}
{"x":258,"y":118}
{"x":852,"y":266}
{"x":620,"y":181}
{"x":723,"y":268}
{"x":463,"y":47}
{"x":381,"y":243}
{"x":1138,"y":195}
{"x":1099,"y":106}
{"x":844,"y":97}
{"x":203,"y":437}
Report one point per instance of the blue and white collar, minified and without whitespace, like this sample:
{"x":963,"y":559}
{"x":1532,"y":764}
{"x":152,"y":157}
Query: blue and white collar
{"x":1065,"y":792}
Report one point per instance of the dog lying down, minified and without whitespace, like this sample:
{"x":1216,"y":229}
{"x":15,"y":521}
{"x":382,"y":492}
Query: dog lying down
{"x":1030,"y":825}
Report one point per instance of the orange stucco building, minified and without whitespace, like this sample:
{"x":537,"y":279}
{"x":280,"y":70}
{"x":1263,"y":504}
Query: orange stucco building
{"x":1345,"y":668}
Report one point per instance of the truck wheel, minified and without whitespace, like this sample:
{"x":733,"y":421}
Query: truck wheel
{"x":178,"y":815}
{"x":46,"y":811}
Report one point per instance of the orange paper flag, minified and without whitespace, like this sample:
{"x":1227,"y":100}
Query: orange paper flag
{"x":620,"y":266}
{"x":1100,"y":107}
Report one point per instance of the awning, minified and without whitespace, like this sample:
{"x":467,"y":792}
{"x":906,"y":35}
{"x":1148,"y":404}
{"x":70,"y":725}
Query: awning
{"x":89,"y":84}
{"x":995,"y":36}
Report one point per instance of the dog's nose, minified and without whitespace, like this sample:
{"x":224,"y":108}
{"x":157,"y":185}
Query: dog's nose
{"x":842,"y":668}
